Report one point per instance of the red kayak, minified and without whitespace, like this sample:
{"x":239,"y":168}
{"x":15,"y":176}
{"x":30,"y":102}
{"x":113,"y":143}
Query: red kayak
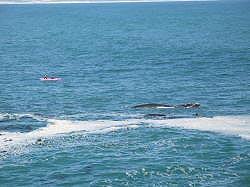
{"x":50,"y":79}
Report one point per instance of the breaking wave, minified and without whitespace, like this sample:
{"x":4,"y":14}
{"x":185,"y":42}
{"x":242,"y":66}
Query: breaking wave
{"x":9,"y":117}
{"x":228,"y":125}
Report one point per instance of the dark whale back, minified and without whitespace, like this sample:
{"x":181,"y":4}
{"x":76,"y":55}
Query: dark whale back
{"x":153,"y":105}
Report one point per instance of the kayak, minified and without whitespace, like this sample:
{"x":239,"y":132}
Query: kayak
{"x":50,"y":79}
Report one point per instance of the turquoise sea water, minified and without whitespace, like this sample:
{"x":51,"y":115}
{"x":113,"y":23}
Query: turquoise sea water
{"x":83,"y":131}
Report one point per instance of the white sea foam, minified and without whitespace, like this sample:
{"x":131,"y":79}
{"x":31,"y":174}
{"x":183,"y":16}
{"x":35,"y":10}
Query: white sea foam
{"x":67,"y":126}
{"x":91,"y":1}
{"x":8,"y":117}
{"x":57,"y":127}
{"x":229,"y":125}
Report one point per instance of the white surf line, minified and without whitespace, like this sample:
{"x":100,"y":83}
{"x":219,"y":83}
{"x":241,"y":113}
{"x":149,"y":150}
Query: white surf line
{"x":228,"y":125}
{"x":9,"y":116}
{"x":67,"y":126}
{"x":63,"y":127}
{"x":96,"y":2}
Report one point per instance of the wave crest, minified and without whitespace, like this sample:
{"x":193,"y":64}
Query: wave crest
{"x":229,"y":125}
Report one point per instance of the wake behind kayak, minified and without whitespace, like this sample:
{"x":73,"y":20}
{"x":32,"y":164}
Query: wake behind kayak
{"x":50,"y":79}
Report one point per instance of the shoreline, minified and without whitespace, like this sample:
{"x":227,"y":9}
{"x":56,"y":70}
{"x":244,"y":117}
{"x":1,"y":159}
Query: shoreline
{"x":96,"y":2}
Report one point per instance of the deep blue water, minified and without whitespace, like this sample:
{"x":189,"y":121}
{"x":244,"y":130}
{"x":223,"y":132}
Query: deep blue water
{"x":83,"y":131}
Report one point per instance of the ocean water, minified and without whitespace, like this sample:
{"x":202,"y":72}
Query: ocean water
{"x":84,"y":131}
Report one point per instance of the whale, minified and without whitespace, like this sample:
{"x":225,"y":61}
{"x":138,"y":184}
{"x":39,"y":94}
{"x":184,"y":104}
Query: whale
{"x":153,"y":105}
